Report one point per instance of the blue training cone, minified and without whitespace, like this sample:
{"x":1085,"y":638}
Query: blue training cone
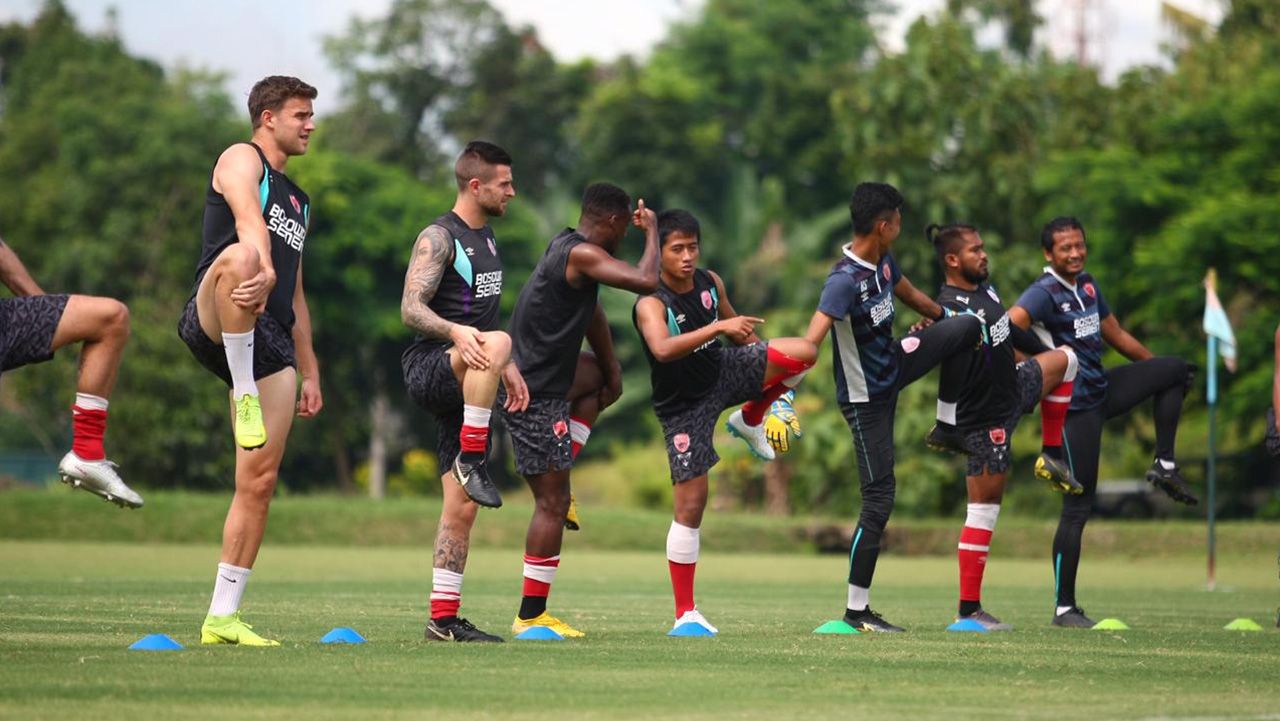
{"x":691,"y":629}
{"x":156,"y":642}
{"x":969,"y":625}
{"x":342,"y":635}
{"x":539,"y":633}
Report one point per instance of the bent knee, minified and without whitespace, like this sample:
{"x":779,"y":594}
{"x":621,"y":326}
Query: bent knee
{"x":498,"y":345}
{"x":238,"y":260}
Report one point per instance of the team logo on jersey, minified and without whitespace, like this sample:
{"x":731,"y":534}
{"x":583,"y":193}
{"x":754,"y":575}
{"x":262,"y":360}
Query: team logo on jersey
{"x":493,"y":249}
{"x":910,"y":343}
{"x":963,"y":299}
{"x":862,"y":287}
{"x":887,"y":274}
{"x":471,"y":252}
{"x":680,"y":319}
{"x":706,"y":299}
{"x":1089,"y":290}
{"x":297,"y":207}
{"x":1066,"y":307}
{"x":560,"y":428}
{"x":992,"y":292}
{"x":680,"y":442}
{"x":997,"y":436}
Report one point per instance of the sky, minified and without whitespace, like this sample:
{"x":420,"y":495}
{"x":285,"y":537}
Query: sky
{"x":250,"y":39}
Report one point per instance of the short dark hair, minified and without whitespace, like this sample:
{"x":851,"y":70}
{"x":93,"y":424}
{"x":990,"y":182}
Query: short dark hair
{"x":946,"y":238}
{"x":1057,"y":225}
{"x":871,"y":203}
{"x":271,"y":92}
{"x":478,"y":160}
{"x":600,"y":200}
{"x":677,"y":221}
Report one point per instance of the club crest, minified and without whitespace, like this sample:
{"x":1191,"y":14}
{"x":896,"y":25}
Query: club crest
{"x":1089,"y":290}
{"x":910,"y":343}
{"x":493,"y":249}
{"x":680,"y":442}
{"x":997,"y":436}
{"x":297,"y":207}
{"x":887,"y":274}
{"x":992,"y":292}
{"x":706,"y":299}
{"x":560,"y":428}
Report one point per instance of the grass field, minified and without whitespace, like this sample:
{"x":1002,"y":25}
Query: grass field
{"x":69,"y":610}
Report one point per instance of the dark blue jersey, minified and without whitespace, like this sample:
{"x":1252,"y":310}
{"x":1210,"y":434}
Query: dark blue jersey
{"x":1071,"y":315}
{"x":859,"y":296}
{"x":990,"y":394}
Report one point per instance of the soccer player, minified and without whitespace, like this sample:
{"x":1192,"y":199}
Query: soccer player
{"x":33,"y":326}
{"x":247,"y":323}
{"x":1066,"y":307}
{"x":694,"y":378}
{"x":557,"y":308}
{"x":451,"y":295}
{"x":996,"y":392}
{"x":856,"y":309}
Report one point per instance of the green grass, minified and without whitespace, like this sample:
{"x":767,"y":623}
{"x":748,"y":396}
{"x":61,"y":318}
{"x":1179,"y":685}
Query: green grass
{"x":68,"y":611}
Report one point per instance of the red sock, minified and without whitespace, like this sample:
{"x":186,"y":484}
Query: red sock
{"x":1053,"y":414}
{"x":88,"y":427}
{"x":539,"y":573}
{"x":446,"y":593}
{"x":682,"y":585}
{"x":753,"y":411}
{"x":474,"y":439}
{"x":579,"y":432}
{"x":972,"y":553}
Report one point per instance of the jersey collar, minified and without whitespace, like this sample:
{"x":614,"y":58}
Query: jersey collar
{"x":848,"y":253}
{"x":1069,"y":286}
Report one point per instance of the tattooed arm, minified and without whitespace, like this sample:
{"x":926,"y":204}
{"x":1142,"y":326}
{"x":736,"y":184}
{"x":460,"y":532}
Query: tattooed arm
{"x":431,"y":256}
{"x":14,"y":274}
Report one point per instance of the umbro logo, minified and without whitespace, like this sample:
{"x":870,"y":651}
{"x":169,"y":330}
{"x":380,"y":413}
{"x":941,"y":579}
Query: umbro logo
{"x":963,"y":299}
{"x":680,"y":319}
{"x":1065,"y":307}
{"x":471,"y":252}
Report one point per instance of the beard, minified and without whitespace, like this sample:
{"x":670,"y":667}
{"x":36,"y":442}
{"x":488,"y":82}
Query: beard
{"x":974,"y":276}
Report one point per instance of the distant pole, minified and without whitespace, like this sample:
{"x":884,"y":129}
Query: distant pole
{"x":1213,"y":437}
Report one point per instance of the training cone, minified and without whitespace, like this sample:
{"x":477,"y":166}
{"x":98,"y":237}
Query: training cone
{"x":1110,"y":624}
{"x":156,"y":642}
{"x":342,"y":635}
{"x":1243,"y":624}
{"x":539,"y":633}
{"x":837,"y":627}
{"x":967,"y":624}
{"x":691,"y":629}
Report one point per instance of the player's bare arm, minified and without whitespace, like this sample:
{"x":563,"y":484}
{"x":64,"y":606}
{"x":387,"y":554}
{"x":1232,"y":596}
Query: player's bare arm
{"x":650,"y":316}
{"x":431,"y":255}
{"x":310,"y":401}
{"x":819,"y":327}
{"x":1020,"y":317}
{"x":600,"y":339}
{"x":14,"y":274}
{"x":236,"y":177}
{"x":919,"y":302}
{"x":1122,"y":341}
{"x":741,"y":329}
{"x":597,"y":264}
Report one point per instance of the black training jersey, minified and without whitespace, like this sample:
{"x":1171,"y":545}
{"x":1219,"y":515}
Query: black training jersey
{"x":694,"y":375}
{"x":859,"y":297}
{"x":551,"y":319}
{"x":1071,"y":314}
{"x":287,"y":212}
{"x":471,"y":288}
{"x":990,"y":395}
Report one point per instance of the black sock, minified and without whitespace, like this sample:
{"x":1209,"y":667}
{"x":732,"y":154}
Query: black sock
{"x":968,"y":608}
{"x":445,"y":620}
{"x":1052,"y":451}
{"x":532,"y":607}
{"x":471,"y":457}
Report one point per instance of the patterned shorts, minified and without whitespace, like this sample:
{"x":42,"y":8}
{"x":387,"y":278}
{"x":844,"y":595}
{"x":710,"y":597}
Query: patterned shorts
{"x":688,"y":429}
{"x":539,"y":435}
{"x":27,"y":325}
{"x":428,"y":375}
{"x":272,"y":345}
{"x":989,"y":448}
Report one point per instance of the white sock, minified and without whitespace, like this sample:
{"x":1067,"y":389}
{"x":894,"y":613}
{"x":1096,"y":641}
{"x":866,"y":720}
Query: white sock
{"x":475,"y":416}
{"x":947,"y":412}
{"x":579,"y":432}
{"x":859,"y":598}
{"x":1167,"y":465}
{"x":239,"y":349}
{"x":228,"y":587}
{"x":682,"y":543}
{"x":90,"y":402}
{"x":1063,"y":609}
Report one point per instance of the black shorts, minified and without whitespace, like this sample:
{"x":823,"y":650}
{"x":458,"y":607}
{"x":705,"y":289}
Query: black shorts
{"x":989,"y":447}
{"x":688,"y":428}
{"x":539,"y":435}
{"x":428,"y":375}
{"x":272,"y":345}
{"x":27,"y":325}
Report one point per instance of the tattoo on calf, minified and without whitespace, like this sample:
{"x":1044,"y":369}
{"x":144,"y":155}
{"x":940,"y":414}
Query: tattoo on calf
{"x":452,"y":545}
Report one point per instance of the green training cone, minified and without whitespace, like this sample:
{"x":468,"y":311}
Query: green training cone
{"x":837,"y":627}
{"x":1110,"y":624}
{"x":1243,"y":624}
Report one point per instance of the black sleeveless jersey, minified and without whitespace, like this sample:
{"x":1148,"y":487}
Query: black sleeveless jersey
{"x":471,"y":287}
{"x":287,"y":212}
{"x":550,"y":321}
{"x":991,"y":393}
{"x":694,"y":375}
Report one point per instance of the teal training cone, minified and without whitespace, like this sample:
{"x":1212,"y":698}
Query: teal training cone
{"x":969,"y":625}
{"x":156,"y":642}
{"x":1243,"y":624}
{"x":1110,"y":624}
{"x":539,"y":633}
{"x":837,"y":627}
{"x":342,"y":635}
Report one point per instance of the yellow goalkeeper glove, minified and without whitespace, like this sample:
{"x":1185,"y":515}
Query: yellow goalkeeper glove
{"x":780,"y":421}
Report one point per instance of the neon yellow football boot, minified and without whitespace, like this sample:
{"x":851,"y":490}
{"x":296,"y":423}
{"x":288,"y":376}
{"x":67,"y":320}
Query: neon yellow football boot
{"x":250,"y":432}
{"x":545,"y":619}
{"x":231,"y":630}
{"x":571,"y":522}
